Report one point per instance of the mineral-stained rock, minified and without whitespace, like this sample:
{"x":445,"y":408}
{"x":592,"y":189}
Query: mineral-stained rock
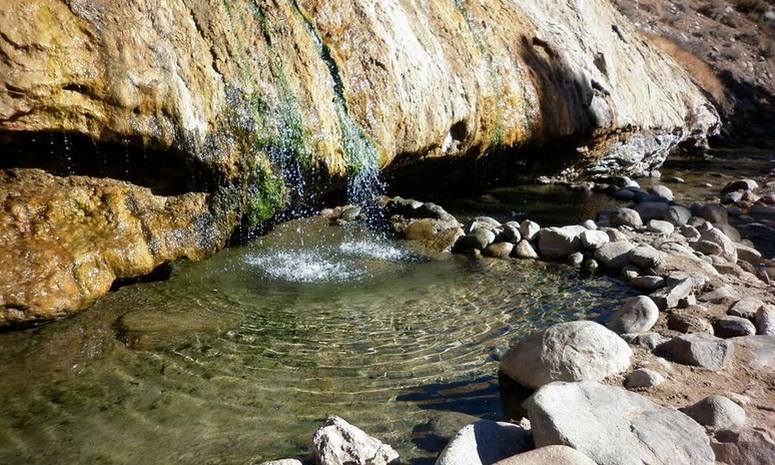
{"x":698,"y":349}
{"x":485,"y":443}
{"x":615,"y":427}
{"x":338,"y":442}
{"x":579,"y":350}
{"x":549,"y":455}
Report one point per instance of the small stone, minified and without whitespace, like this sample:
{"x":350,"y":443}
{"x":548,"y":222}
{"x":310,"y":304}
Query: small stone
{"x":636,"y":315}
{"x":729,"y":251}
{"x":669,"y":297}
{"x":707,"y":248}
{"x":698,"y":349}
{"x":643,"y":378}
{"x":746,"y":307}
{"x":648,"y":283}
{"x":528,"y":229}
{"x":688,"y":323}
{"x":575,"y":259}
{"x":646,"y":257}
{"x":283,"y":462}
{"x":549,"y":455}
{"x":765,"y":320}
{"x":478,"y":239}
{"x":484,"y":443}
{"x":690,"y":232}
{"x":716,"y":412}
{"x":590,"y":225}
{"x":630,"y":272}
{"x":733,"y":326}
{"x":594,"y":239}
{"x":339,"y":442}
{"x":499,"y":250}
{"x":677,"y":215}
{"x":555,"y":243}
{"x":525,"y":250}
{"x":662,"y":191}
{"x":675,"y":179}
{"x":624,"y":216}
{"x":589,"y":265}
{"x":649,"y":341}
{"x":661,"y":227}
{"x":614,"y":255}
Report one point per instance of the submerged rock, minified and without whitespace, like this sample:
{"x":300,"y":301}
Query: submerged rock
{"x":574,"y":351}
{"x":340,"y":443}
{"x":615,"y":427}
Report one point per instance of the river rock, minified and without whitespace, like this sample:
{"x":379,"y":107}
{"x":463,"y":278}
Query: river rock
{"x":575,"y":259}
{"x":589,"y":265}
{"x":555,"y":243}
{"x":690,"y":232}
{"x":528,"y":229}
{"x":283,"y":462}
{"x":624,"y":194}
{"x":708,"y":248}
{"x":713,"y":212}
{"x":510,"y":233}
{"x":723,"y":294}
{"x":716,"y":412}
{"x":477,"y":239}
{"x":649,"y":341}
{"x":744,"y":446}
{"x":499,"y":250}
{"x":574,"y":351}
{"x":748,"y":254}
{"x":524,"y":250}
{"x":340,"y":443}
{"x":698,"y":349}
{"x":765,"y":320}
{"x":677,"y":215}
{"x":664,"y":228}
{"x":718,"y":237}
{"x":662,"y":191}
{"x":624,"y":217}
{"x":614,"y":255}
{"x":636,"y":315}
{"x":589,"y":224}
{"x":646,"y":257}
{"x":688,"y":323}
{"x":643,"y":378}
{"x":740,"y":185}
{"x":651,"y":210}
{"x":549,"y":455}
{"x":615,"y":427}
{"x":483,"y":222}
{"x":485,"y":443}
{"x":594,"y":239}
{"x":648,"y":283}
{"x":671,"y":296}
{"x":746,"y":307}
{"x":733,"y":326}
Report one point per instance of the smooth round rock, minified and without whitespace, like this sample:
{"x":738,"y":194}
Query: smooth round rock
{"x":549,"y":455}
{"x":499,"y":250}
{"x":484,"y":443}
{"x":594,"y":239}
{"x":636,"y":315}
{"x":662,"y":191}
{"x":626,"y":217}
{"x":524,"y":250}
{"x":716,"y":412}
{"x":614,"y":255}
{"x":664,"y":228}
{"x":733,"y":326}
{"x":643,"y":378}
{"x":528,"y":229}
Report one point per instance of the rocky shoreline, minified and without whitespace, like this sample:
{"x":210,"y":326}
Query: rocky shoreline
{"x":682,"y":374}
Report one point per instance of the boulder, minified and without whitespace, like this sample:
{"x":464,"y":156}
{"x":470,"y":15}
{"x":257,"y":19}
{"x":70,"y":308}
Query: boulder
{"x":716,"y":412}
{"x":698,"y":349}
{"x":765,"y":320}
{"x":643,"y":378}
{"x":524,"y":250}
{"x":555,"y":243}
{"x":636,"y":315}
{"x":574,"y":351}
{"x":646,"y":257}
{"x":615,"y":427}
{"x":664,"y":228}
{"x":688,"y":323}
{"x":677,"y":215}
{"x":746,"y":307}
{"x":624,"y":217}
{"x":477,"y":239}
{"x":713,"y":212}
{"x":652,"y":210}
{"x":614,"y":255}
{"x":662,"y":191}
{"x":594,"y":239}
{"x":671,"y":296}
{"x":528,"y":229}
{"x":549,"y":455}
{"x":485,"y":443}
{"x":733,"y":326}
{"x":744,"y":446}
{"x":740,"y":185}
{"x":340,"y":443}
{"x":499,"y":250}
{"x":718,"y":237}
{"x":648,"y":283}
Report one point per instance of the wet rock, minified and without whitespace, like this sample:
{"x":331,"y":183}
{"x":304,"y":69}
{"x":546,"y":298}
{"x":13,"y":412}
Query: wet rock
{"x":549,"y":455}
{"x":712,"y":212}
{"x":624,"y":195}
{"x":575,"y":259}
{"x":614,"y":255}
{"x":662,"y":191}
{"x":483,"y":222}
{"x":740,"y":185}
{"x":555,"y":243}
{"x":716,"y":412}
{"x":652,"y":210}
{"x":698,"y":349}
{"x":746,"y":307}
{"x":338,"y":442}
{"x":499,"y":250}
{"x":733,"y":326}
{"x":636,"y":315}
{"x":765,"y":320}
{"x":478,"y":239}
{"x":594,"y":239}
{"x":670,"y":297}
{"x":646,"y":257}
{"x":485,"y":443}
{"x":589,"y":265}
{"x":615,"y":427}
{"x":351,"y":213}
{"x":688,"y":323}
{"x":624,"y":217}
{"x":707,"y":248}
{"x":283,"y":462}
{"x":647,"y":340}
{"x":677,"y":215}
{"x":744,"y":446}
{"x":574,"y":351}
{"x":643,"y":378}
{"x":648,"y":283}
{"x":529,"y":229}
{"x":524,"y":250}
{"x":664,"y":228}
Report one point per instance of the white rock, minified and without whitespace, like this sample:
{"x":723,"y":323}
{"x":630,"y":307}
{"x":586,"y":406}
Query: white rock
{"x":485,"y":443}
{"x":340,"y":443}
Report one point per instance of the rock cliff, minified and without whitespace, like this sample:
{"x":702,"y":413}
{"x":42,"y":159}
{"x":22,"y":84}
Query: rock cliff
{"x":160,"y":125}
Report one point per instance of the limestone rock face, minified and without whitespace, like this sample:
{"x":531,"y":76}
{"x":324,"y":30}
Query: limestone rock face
{"x":253,"y":97}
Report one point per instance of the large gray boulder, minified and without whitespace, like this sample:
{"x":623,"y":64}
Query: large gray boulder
{"x":340,"y":443}
{"x":718,"y":237}
{"x":485,"y":443}
{"x":636,"y":315}
{"x":652,"y":210}
{"x":716,"y":412}
{"x":574,"y":351}
{"x":624,"y":217}
{"x":698,"y":349}
{"x":549,"y":455}
{"x":555,"y":243}
{"x":614,"y":255}
{"x":615,"y":427}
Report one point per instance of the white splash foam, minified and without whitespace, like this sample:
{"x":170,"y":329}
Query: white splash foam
{"x":304,"y":267}
{"x":373,"y":249}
